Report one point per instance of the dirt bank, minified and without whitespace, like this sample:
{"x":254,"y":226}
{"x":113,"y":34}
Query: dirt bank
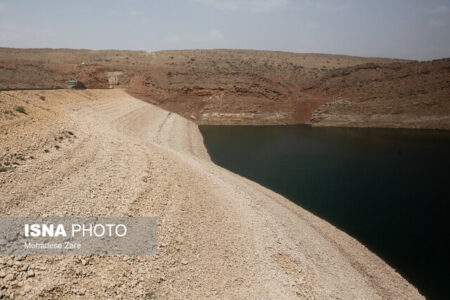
{"x":102,"y":152}
{"x":251,"y":87}
{"x":408,"y":95}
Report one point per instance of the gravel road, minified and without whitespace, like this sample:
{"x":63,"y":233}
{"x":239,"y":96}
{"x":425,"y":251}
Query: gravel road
{"x":105,"y":153}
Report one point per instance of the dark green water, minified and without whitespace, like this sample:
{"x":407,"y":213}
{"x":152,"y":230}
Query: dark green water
{"x":388,"y":188}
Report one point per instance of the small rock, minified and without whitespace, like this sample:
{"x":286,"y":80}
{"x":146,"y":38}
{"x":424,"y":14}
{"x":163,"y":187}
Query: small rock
{"x":24,"y":268}
{"x":27,"y":288}
{"x":30,"y":273}
{"x":10,"y":277}
{"x":184,"y":262}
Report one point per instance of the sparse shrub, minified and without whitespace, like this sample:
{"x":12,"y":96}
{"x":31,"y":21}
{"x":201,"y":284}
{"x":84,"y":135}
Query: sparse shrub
{"x":20,"y":109}
{"x":42,"y":98}
{"x":169,"y":73}
{"x":192,"y":59}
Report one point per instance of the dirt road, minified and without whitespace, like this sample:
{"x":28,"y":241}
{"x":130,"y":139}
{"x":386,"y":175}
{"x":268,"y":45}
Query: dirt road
{"x":104,"y":153}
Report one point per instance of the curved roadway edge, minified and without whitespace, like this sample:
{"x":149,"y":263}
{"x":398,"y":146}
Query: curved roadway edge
{"x":100,"y":152}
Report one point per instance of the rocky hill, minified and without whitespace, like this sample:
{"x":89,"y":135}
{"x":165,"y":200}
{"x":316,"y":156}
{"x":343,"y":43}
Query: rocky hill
{"x":412,"y":95}
{"x":251,"y":87}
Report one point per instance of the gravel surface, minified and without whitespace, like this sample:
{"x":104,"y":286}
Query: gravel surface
{"x":104,"y":153}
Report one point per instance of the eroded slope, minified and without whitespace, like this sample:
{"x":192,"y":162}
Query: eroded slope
{"x":251,"y":87}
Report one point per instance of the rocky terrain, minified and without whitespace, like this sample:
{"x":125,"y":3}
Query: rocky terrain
{"x":411,"y":95}
{"x":105,"y":153}
{"x":251,"y":87}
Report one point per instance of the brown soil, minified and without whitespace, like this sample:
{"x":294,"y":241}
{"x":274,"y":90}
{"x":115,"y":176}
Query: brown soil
{"x":412,"y":95}
{"x":104,"y":153}
{"x":252,"y":87}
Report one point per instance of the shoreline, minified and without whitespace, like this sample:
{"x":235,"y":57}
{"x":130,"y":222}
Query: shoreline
{"x":412,"y":129}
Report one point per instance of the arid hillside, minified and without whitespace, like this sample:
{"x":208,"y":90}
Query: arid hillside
{"x":251,"y":87}
{"x":412,"y":95}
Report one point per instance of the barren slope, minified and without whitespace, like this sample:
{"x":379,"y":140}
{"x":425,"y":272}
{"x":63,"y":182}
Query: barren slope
{"x":411,"y":95}
{"x":251,"y":87}
{"x":104,"y":153}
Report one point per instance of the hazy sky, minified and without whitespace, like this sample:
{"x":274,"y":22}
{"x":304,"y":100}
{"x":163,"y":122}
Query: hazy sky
{"x":416,"y":29}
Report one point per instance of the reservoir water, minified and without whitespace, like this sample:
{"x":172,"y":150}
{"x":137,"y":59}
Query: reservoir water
{"x":388,"y":188}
